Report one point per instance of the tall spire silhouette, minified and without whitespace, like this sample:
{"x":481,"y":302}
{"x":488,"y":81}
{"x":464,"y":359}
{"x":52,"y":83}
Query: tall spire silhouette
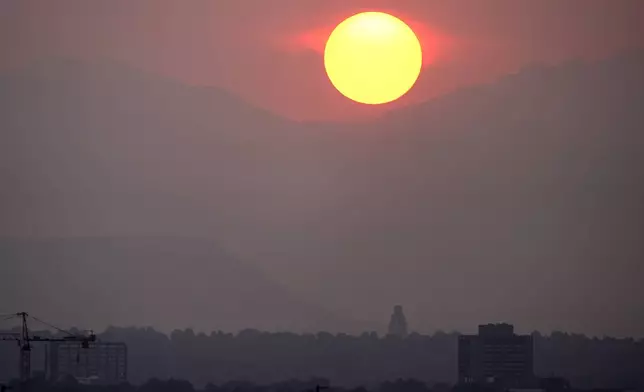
{"x":398,"y":322}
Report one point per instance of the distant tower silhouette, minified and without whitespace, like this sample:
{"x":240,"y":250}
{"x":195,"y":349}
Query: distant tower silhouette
{"x":398,"y":322}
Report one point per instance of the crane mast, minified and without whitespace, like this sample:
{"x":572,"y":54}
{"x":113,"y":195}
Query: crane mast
{"x":25,"y":348}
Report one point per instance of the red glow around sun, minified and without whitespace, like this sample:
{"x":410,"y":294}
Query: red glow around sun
{"x":314,"y":39}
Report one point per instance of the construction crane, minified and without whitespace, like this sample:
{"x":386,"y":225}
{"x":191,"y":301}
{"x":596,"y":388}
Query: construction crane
{"x":25,"y":339}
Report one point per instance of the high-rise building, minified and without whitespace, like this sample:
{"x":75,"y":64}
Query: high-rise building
{"x":496,"y":355}
{"x":100,"y":363}
{"x":398,"y":322}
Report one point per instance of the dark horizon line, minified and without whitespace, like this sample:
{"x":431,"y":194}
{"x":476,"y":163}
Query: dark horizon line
{"x":380,"y":336}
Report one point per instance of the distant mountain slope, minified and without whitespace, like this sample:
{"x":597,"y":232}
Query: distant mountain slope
{"x":163,"y":282}
{"x":520,"y":200}
{"x":106,"y":151}
{"x":517,"y":201}
{"x":102,"y":149}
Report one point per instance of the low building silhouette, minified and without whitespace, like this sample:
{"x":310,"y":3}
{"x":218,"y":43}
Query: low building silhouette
{"x":496,"y":356}
{"x":101,"y":363}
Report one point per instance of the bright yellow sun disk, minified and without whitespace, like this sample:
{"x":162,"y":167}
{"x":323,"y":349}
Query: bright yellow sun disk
{"x":373,"y":58}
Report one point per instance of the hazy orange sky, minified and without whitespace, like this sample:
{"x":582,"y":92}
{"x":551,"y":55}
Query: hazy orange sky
{"x":270,"y":52}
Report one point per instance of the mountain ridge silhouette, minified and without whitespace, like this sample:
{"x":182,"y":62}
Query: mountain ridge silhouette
{"x":473,"y":195}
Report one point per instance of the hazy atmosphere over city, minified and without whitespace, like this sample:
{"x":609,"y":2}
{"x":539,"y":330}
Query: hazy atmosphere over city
{"x":188,"y":164}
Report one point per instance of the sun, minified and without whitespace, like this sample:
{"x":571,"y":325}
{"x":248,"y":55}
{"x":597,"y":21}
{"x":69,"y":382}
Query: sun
{"x":373,"y":58}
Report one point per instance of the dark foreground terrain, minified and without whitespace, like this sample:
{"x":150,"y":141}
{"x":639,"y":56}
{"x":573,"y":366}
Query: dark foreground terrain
{"x":312,"y":385}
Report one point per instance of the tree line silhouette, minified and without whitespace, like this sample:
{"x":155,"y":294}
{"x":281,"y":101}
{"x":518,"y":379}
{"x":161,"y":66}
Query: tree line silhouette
{"x":368,"y":359}
{"x":69,"y":384}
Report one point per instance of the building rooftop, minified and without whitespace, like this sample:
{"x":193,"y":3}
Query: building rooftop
{"x":491,"y":330}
